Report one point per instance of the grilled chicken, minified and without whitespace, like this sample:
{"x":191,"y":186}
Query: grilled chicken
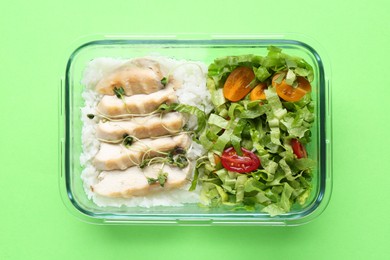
{"x":140,"y":76}
{"x":131,"y":93}
{"x":133,"y":181}
{"x":118,"y":157}
{"x":137,"y":104}
{"x":141,"y":127}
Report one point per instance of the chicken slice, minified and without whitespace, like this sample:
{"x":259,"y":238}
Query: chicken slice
{"x":137,"y":104}
{"x":139,"y":76}
{"x":118,"y":157}
{"x":141,"y":127}
{"x":133,"y":181}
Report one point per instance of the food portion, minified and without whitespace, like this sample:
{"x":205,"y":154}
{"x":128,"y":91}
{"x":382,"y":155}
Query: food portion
{"x":257,"y":133}
{"x":159,"y":131}
{"x":137,"y":133}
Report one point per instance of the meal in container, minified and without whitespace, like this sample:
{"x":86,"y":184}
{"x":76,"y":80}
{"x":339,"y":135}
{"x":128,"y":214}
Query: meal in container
{"x":161,"y":131}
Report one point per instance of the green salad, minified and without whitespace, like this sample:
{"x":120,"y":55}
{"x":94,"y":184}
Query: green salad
{"x":256,"y":135}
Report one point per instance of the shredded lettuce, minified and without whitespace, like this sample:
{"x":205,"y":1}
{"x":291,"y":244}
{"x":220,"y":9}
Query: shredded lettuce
{"x":264,"y":126}
{"x":218,"y":121}
{"x":261,"y":73}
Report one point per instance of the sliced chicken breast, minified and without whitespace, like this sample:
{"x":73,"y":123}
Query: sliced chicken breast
{"x":139,"y":76}
{"x":141,"y":127}
{"x":118,"y":157}
{"x":133,"y":181}
{"x":137,"y":104}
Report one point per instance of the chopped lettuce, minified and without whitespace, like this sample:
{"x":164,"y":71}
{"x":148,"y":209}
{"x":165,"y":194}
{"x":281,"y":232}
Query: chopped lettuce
{"x":263,"y":126}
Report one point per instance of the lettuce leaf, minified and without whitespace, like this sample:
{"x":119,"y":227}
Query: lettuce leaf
{"x":218,"y":121}
{"x":261,"y":73}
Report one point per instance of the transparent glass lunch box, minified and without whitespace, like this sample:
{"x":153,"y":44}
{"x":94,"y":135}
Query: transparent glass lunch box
{"x":204,"y":49}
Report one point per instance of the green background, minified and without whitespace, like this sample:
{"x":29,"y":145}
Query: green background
{"x":34,"y":42}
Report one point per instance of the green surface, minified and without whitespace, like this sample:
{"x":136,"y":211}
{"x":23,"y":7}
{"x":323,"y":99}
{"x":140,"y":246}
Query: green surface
{"x":34,"y":39}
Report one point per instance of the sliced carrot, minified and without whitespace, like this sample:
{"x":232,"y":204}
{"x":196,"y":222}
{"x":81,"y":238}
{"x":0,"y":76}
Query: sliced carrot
{"x":237,"y":84}
{"x":258,"y":92}
{"x":288,"y":92}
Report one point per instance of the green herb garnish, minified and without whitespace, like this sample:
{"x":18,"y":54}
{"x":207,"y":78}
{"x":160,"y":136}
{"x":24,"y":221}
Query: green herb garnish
{"x":127,"y":140}
{"x":178,"y":150}
{"x":164,"y":81}
{"x":144,"y":163}
{"x":161,"y":179}
{"x":151,"y":180}
{"x":119,"y":92}
{"x":180,"y":161}
{"x":176,"y":157}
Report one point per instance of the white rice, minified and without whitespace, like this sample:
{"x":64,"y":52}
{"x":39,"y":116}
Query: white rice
{"x":192,"y":92}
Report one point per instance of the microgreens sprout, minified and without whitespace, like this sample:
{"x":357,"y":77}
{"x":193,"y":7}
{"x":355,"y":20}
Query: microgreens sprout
{"x":161,"y":179}
{"x":164,"y":81}
{"x":127,"y":140}
{"x":119,"y":92}
{"x":176,"y":157}
{"x":90,"y":116}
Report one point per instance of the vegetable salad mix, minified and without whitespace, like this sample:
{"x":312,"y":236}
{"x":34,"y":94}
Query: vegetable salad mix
{"x":256,"y":135}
